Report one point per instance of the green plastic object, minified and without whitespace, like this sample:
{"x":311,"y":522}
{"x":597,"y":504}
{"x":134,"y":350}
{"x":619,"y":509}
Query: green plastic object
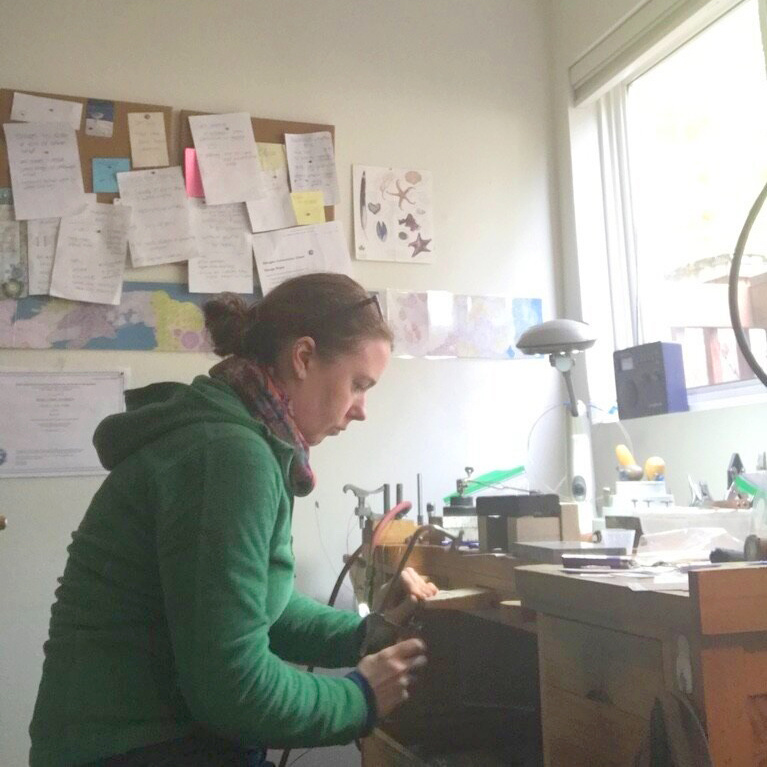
{"x":748,"y":484}
{"x":481,"y":482}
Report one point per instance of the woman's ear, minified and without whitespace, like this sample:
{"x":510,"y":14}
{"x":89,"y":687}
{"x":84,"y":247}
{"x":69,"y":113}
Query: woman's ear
{"x":303,"y":351}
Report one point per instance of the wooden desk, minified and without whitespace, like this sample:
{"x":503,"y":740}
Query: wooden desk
{"x":605,"y":651}
{"x":477,"y":702}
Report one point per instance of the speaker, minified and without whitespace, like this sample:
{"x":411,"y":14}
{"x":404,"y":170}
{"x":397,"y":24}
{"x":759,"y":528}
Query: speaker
{"x":649,"y":380}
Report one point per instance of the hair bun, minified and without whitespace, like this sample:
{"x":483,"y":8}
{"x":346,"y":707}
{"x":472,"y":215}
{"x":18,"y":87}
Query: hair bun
{"x":225,"y":319}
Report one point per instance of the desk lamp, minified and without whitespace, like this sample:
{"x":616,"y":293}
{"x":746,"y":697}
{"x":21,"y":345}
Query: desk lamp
{"x":562,"y":340}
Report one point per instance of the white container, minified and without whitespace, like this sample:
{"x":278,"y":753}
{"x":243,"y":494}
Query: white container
{"x":618,"y":538}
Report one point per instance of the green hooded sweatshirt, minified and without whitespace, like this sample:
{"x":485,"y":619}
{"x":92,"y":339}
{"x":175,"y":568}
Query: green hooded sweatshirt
{"x":177,"y":604}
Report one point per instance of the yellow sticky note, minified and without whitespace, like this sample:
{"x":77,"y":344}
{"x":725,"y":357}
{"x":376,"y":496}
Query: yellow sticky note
{"x":272,"y":156}
{"x":309,"y":207}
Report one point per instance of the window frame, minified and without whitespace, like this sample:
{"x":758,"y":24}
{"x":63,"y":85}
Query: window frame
{"x":604,"y":116}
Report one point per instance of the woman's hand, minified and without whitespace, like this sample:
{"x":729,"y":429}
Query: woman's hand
{"x":411,"y":589}
{"x":390,"y":672}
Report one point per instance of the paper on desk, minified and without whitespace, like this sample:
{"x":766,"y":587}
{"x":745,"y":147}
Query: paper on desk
{"x":41,"y":109}
{"x":13,"y":262}
{"x":228,"y":157}
{"x":289,"y":253}
{"x":223,"y":240}
{"x":90,"y":255}
{"x":148,"y":140}
{"x":312,"y":164}
{"x":160,"y":230}
{"x":45,"y":170}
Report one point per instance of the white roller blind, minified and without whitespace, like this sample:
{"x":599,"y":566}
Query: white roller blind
{"x":642,"y":37}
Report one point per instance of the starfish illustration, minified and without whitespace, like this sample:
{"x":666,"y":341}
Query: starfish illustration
{"x":419,"y":246}
{"x":401,"y":194}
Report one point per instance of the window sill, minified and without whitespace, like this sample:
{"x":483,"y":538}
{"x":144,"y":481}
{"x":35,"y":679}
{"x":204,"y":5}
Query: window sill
{"x":719,"y":397}
{"x":722,"y":396}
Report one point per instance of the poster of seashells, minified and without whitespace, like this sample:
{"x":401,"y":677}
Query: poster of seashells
{"x":393,"y":218}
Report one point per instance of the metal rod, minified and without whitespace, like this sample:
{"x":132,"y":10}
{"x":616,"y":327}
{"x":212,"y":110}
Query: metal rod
{"x":571,"y":393}
{"x":419,"y":504}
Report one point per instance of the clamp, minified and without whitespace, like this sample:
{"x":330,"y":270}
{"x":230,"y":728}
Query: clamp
{"x":362,"y":510}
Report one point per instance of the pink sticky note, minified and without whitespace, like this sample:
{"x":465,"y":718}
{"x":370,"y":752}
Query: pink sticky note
{"x":192,"y":174}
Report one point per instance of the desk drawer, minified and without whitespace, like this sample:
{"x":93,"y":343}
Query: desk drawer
{"x":578,"y":732}
{"x":598,"y":687}
{"x":618,"y":670}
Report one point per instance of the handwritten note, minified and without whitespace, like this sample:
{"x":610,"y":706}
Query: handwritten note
{"x":226,"y":257}
{"x":45,"y":170}
{"x":13,"y":262}
{"x":312,"y":164}
{"x":309,"y":207}
{"x":90,"y":255}
{"x":160,"y":230}
{"x":148,"y":142}
{"x":228,"y":157}
{"x":41,"y":247}
{"x":275,"y":209}
{"x":41,"y":109}
{"x":304,"y":249}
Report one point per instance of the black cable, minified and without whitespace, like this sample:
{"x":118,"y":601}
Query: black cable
{"x":350,"y":560}
{"x":732,"y":292}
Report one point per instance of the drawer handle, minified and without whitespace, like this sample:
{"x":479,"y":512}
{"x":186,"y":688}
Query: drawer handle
{"x":599,"y":696}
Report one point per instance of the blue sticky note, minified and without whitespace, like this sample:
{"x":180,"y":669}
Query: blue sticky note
{"x":104,"y":169}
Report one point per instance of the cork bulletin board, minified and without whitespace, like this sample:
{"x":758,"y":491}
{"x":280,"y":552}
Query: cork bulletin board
{"x":265,"y":131}
{"x":90,"y":146}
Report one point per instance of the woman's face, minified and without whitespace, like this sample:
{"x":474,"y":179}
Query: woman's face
{"x":327,"y":396}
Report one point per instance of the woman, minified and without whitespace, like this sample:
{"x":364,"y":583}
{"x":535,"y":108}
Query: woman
{"x":176,"y":615}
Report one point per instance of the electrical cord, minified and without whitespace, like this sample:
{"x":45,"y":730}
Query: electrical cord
{"x":618,"y":423}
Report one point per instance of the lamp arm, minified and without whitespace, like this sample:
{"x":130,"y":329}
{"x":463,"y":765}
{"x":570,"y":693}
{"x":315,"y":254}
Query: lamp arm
{"x":571,"y":393}
{"x":732,"y":293}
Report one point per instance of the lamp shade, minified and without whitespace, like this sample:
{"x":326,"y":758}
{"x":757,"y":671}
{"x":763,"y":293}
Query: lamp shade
{"x":556,"y":337}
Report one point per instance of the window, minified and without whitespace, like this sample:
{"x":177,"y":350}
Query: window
{"x":686,"y":143}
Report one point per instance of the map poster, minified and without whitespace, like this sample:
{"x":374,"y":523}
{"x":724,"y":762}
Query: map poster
{"x":151,"y":317}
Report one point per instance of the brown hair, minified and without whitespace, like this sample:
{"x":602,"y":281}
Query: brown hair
{"x":331,"y":308}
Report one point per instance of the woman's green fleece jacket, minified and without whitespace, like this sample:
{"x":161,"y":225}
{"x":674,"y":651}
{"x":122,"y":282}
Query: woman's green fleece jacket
{"x":177,"y":605}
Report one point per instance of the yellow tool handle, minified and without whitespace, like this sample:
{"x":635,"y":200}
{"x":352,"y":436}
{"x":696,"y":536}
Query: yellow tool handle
{"x":623,"y":454}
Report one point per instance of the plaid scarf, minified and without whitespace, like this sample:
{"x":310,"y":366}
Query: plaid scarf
{"x":267,"y":403}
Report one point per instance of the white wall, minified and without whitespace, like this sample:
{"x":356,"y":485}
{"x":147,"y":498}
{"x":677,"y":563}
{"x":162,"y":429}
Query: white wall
{"x":694,"y":443}
{"x":460,"y":88}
